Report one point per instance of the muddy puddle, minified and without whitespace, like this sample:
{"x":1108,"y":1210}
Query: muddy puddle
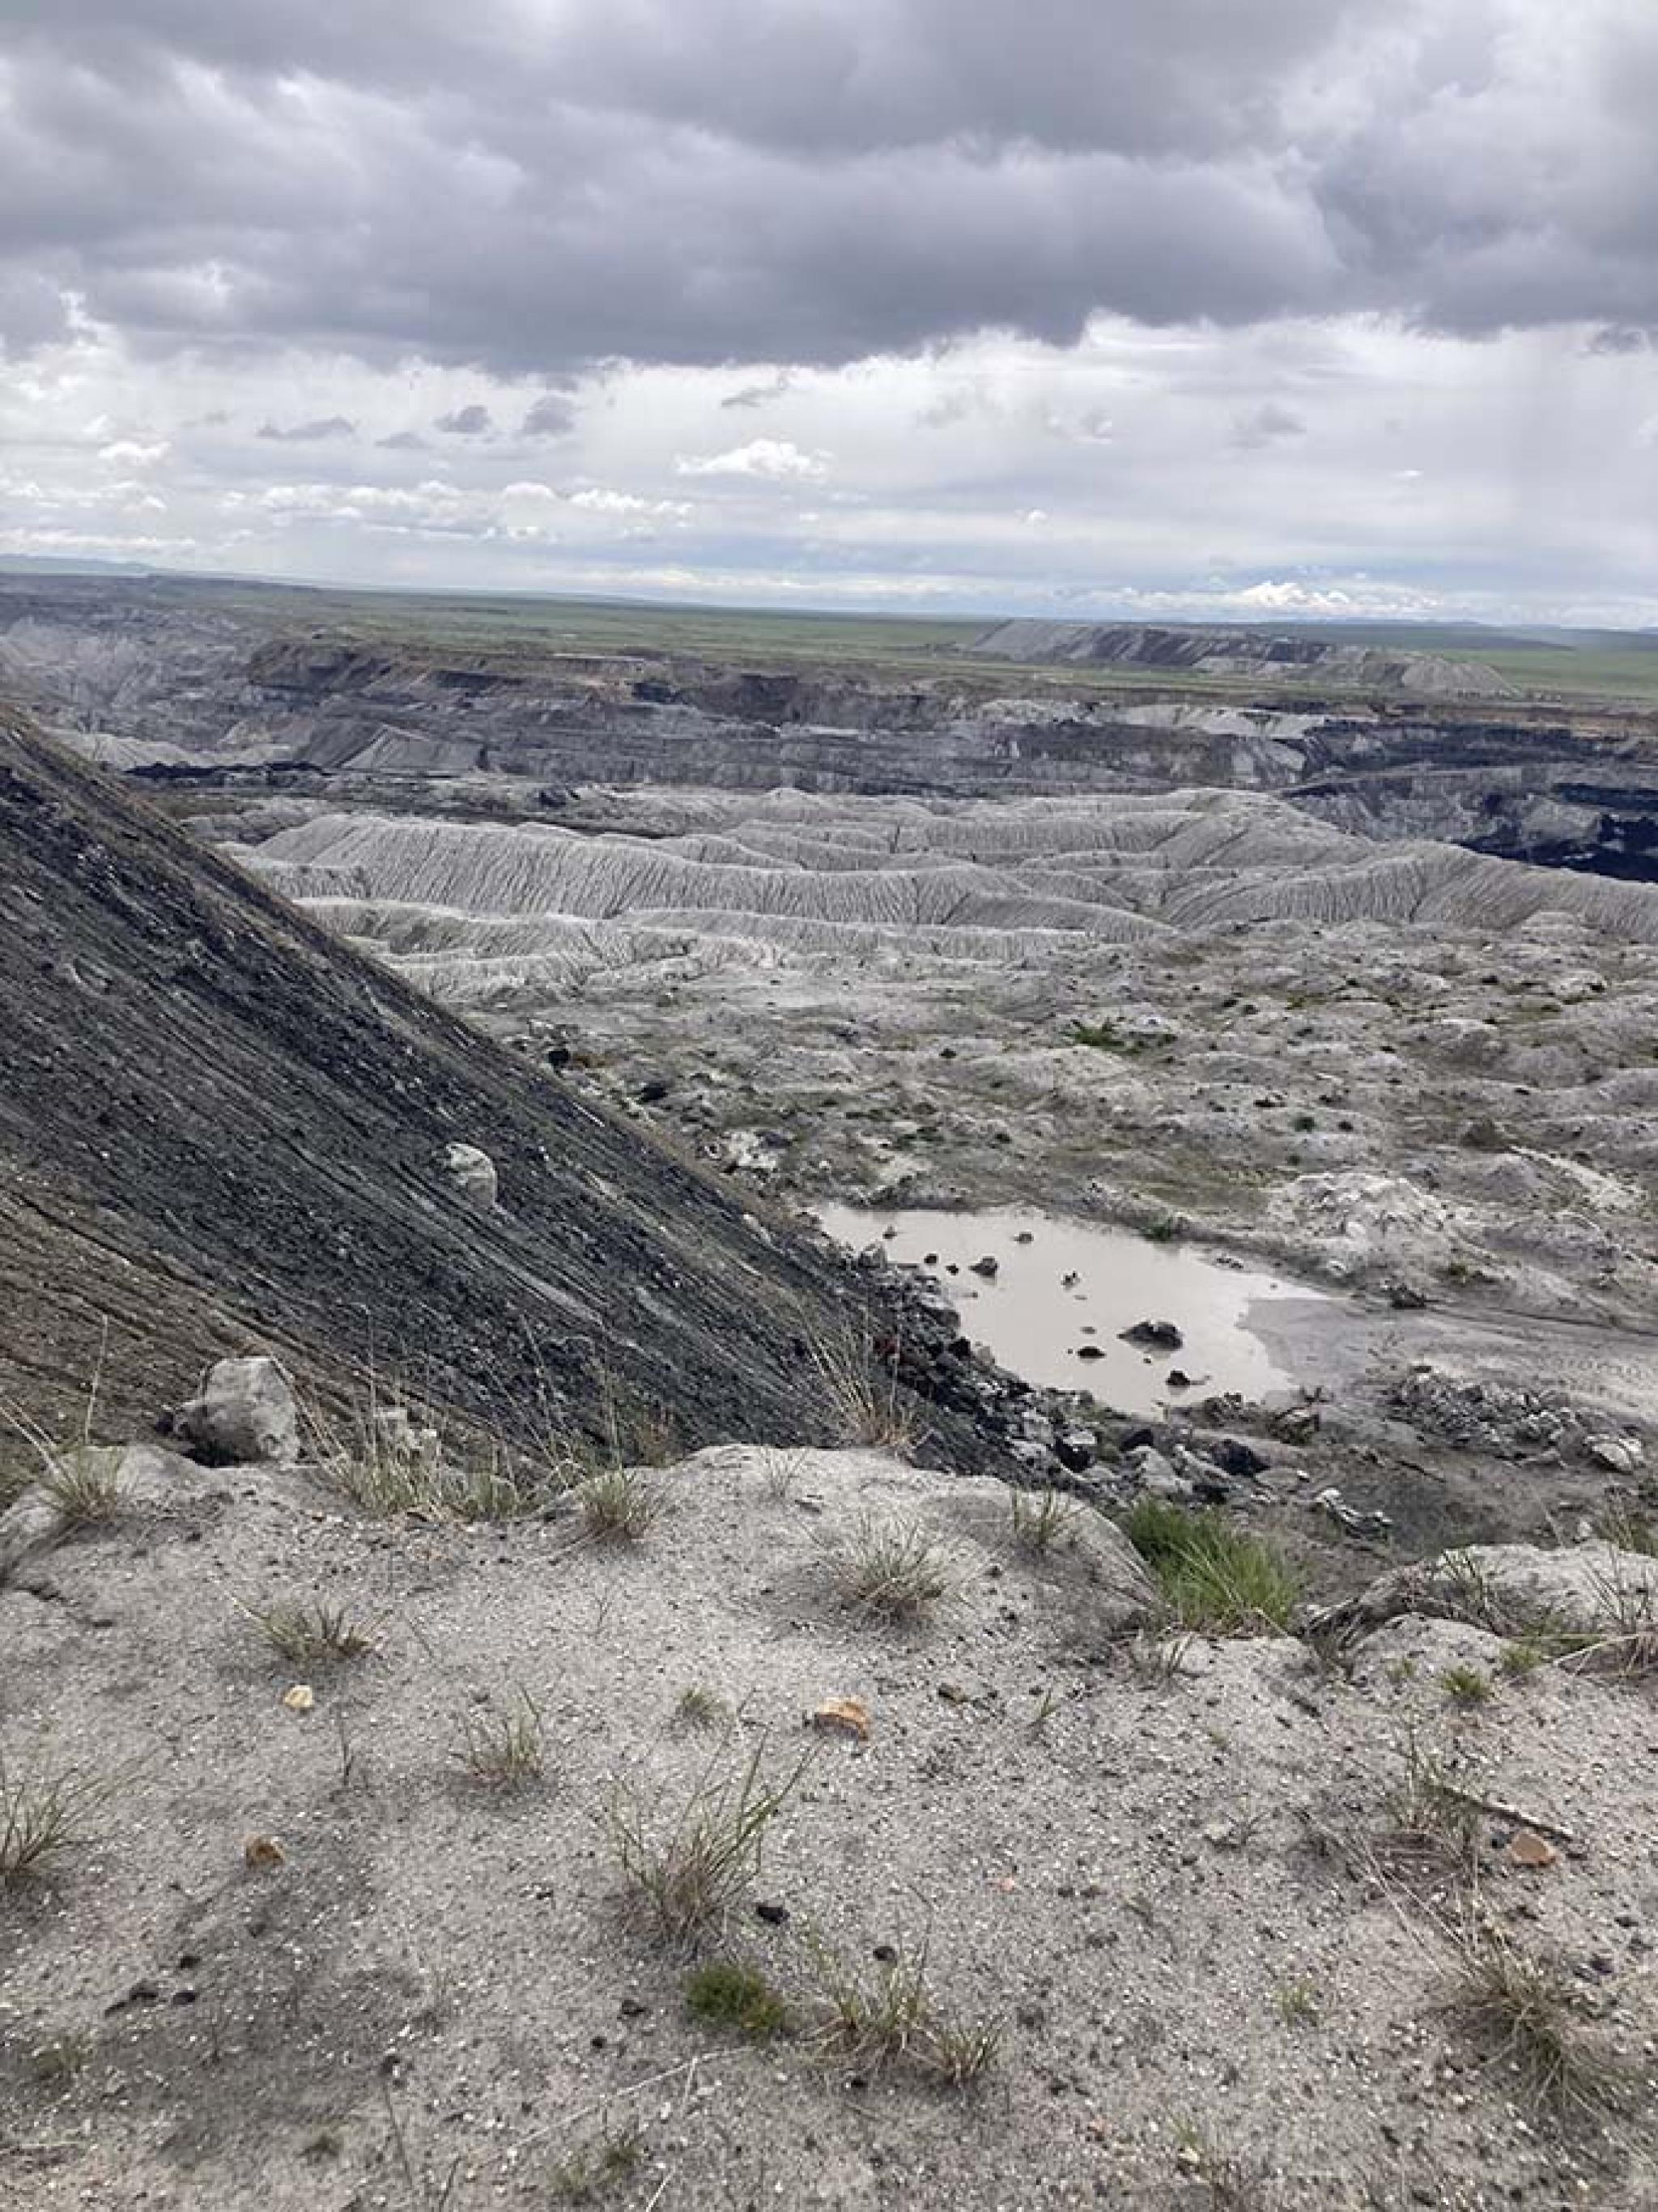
{"x":1063,"y":1293}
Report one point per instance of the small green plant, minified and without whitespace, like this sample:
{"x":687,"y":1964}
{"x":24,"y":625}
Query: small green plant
{"x":727,"y":1993}
{"x":689,"y":1872}
{"x":890,"y":2013}
{"x":308,"y":1632}
{"x":595,"y":2169}
{"x":1628,"y":1530}
{"x":59,"y":2061}
{"x":1527,"y":2011}
{"x":1214,"y":1577}
{"x":1298,"y":2004}
{"x":1523,"y":1657}
{"x":43,"y":1817}
{"x":700,"y":1707}
{"x":1167,"y":1228}
{"x":1467,"y":1686}
{"x":1302,"y":1123}
{"x":82,"y":1485}
{"x":504,"y":1743}
{"x":619,"y":1505}
{"x":892,"y":1568}
{"x":1103,"y":1037}
{"x":1040,"y":1518}
{"x":780,"y":1471}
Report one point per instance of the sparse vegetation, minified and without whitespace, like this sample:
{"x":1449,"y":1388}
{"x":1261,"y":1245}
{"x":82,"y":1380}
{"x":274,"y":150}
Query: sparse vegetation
{"x":893,"y":1568}
{"x":43,"y":1817}
{"x":595,"y":2169}
{"x":1432,"y":1829}
{"x":82,"y":1485}
{"x":620,"y":1505}
{"x":62,"y":2059}
{"x":1525,"y":2009}
{"x":1298,"y":2004}
{"x":1466,"y":1685}
{"x":689,"y":1873}
{"x":870,"y":1405}
{"x":889,"y":2013}
{"x":700,"y":1707}
{"x":729,"y":1993}
{"x":1215,"y":1578}
{"x":1040,"y":1518}
{"x":504,"y":1743}
{"x":309,"y":1631}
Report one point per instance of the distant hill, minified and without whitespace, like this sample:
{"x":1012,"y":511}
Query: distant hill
{"x":1263,"y":654}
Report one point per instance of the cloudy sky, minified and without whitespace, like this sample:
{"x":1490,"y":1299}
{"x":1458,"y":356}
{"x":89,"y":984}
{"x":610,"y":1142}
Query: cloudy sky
{"x":1185,"y":307}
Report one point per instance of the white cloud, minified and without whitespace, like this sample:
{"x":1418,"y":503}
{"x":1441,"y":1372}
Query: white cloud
{"x":597,"y":501}
{"x":777,"y":460}
{"x":134,"y":453}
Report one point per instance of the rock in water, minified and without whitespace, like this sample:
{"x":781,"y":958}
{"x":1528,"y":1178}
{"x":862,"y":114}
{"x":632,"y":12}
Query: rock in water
{"x":246,"y":1412}
{"x":473,"y":1175}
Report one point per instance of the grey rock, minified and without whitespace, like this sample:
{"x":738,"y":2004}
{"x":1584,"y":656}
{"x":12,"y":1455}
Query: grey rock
{"x":246,"y":1412}
{"x":472,"y":1172}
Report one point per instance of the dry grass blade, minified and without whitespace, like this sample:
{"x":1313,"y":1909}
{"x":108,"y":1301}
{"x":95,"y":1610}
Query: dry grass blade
{"x":83,"y":1485}
{"x":1527,"y":2011}
{"x":43,"y":1817}
{"x":1432,"y":1832}
{"x":619,"y":1505}
{"x":870,"y":1405}
{"x":1041,"y":1518}
{"x":688,"y":1875}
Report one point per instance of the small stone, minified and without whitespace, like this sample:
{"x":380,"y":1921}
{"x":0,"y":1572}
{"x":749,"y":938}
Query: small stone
{"x":300,"y":1699}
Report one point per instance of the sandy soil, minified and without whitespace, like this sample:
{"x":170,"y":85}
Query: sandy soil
{"x":1145,"y":1861}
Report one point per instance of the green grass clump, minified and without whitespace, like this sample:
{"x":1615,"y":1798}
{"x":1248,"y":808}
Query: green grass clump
{"x":307,"y":1632}
{"x":1528,"y":2012}
{"x":892,"y":2014}
{"x":726,"y":1993}
{"x":893,"y":1568}
{"x":1467,"y":1687}
{"x":1041,"y":1518}
{"x":1214,"y":1576}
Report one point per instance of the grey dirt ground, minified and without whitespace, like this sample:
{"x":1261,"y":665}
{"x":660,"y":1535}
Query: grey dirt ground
{"x":306,"y":1959}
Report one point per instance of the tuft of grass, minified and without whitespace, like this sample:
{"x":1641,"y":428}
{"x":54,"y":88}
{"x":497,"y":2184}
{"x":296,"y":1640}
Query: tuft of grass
{"x":504,"y":1744}
{"x":1298,"y":2004}
{"x":43,"y":1817}
{"x":83,"y":1485}
{"x":619,"y":1505}
{"x":700,"y":1707}
{"x":728,"y":1993}
{"x":1628,"y":1530}
{"x":1040,"y":1518}
{"x":1467,"y":1687}
{"x":870,"y":1405}
{"x":896,"y":1569}
{"x":1214,"y":1577}
{"x":1527,"y":2011}
{"x":1167,"y":1228}
{"x":892,"y":2014}
{"x":594,"y":2170}
{"x":688,"y":1873}
{"x":307,"y":1632}
{"x":1432,"y":1831}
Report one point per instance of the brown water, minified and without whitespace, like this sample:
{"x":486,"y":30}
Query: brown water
{"x":1071,"y":1285}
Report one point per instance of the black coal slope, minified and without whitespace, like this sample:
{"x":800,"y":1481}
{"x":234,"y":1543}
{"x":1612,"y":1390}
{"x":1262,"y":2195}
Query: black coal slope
{"x":221,"y":1130}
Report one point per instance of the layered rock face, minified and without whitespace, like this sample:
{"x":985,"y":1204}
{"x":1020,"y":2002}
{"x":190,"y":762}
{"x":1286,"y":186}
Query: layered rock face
{"x":221,"y":1130}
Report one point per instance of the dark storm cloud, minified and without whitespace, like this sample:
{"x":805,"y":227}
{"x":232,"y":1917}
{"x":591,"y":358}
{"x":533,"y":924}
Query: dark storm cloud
{"x":536,"y":185}
{"x":551,"y":416}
